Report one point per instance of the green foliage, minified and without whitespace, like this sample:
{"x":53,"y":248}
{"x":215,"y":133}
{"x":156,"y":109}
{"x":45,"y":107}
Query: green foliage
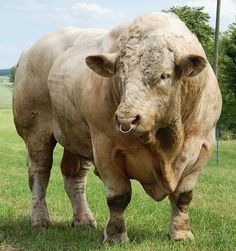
{"x":12,"y":74}
{"x":227,"y":78}
{"x":226,"y":134}
{"x":229,"y":60}
{"x":198,"y":22}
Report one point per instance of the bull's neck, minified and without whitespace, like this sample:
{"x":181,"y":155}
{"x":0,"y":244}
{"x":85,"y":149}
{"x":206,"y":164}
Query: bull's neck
{"x":191,"y":94}
{"x":169,"y":137}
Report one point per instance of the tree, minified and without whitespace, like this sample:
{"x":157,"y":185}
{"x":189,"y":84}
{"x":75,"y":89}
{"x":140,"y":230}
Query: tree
{"x":198,"y":22}
{"x":229,"y":62}
{"x":12,"y":74}
{"x":227,"y":78}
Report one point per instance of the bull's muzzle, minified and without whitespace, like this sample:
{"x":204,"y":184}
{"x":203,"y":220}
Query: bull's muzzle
{"x":127,"y":124}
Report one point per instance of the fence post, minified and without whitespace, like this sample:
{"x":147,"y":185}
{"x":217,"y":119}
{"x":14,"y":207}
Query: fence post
{"x":217,"y":146}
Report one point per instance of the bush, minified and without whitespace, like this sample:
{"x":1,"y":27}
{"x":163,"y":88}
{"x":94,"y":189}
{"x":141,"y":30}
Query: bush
{"x":227,"y":134}
{"x":12,"y":74}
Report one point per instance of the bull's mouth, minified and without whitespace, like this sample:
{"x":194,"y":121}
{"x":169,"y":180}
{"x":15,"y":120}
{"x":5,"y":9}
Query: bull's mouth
{"x":135,"y":126}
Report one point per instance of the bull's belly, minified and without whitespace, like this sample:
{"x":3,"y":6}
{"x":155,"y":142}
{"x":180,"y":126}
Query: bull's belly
{"x":144,"y":167}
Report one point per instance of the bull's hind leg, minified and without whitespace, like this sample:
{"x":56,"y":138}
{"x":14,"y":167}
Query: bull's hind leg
{"x":75,"y":171}
{"x":40,"y":153}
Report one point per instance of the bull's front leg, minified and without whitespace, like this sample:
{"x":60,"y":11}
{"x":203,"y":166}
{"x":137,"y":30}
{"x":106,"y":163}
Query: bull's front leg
{"x":180,"y":226}
{"x":180,"y":199}
{"x":110,"y":168}
{"x":117,"y":203}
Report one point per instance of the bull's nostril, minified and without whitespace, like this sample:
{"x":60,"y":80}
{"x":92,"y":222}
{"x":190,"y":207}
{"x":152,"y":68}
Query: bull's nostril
{"x":127,"y":123}
{"x":136,"y":120}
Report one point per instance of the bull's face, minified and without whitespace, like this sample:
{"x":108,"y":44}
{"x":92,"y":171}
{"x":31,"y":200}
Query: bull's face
{"x":150,"y":79}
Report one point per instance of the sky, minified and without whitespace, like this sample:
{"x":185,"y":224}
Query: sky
{"x":23,"y":22}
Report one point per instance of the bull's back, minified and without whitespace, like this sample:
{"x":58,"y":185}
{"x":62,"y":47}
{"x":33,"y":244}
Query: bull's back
{"x":31,"y":101}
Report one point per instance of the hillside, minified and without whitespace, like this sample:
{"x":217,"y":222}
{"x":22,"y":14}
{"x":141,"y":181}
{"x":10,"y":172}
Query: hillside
{"x":4,"y":72}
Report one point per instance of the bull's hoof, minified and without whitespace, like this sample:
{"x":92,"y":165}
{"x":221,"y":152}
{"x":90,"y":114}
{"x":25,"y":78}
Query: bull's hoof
{"x":121,"y":238}
{"x":85,"y":222}
{"x":41,"y":223}
{"x":182,"y":235}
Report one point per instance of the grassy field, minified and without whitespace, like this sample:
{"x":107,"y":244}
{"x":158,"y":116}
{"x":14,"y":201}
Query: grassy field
{"x":5,"y":92}
{"x":212,"y":211}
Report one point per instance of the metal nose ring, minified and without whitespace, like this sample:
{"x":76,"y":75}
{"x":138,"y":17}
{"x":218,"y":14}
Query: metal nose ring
{"x":122,"y":131}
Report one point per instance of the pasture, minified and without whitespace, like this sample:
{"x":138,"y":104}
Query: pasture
{"x":212,"y":211}
{"x":5,"y":92}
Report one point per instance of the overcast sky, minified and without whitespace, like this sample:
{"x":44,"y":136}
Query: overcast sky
{"x":22,"y":22}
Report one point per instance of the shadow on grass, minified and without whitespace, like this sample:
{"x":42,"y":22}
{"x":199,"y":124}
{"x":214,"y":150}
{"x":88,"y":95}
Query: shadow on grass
{"x":138,"y":235}
{"x":61,"y":236}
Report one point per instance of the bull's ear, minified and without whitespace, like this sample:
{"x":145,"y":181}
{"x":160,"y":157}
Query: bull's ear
{"x":102,"y":64}
{"x":190,"y":66}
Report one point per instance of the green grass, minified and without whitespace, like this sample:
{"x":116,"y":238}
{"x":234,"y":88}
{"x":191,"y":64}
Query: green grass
{"x":212,"y":211}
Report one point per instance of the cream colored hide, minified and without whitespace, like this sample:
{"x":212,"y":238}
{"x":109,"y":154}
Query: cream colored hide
{"x":139,"y":102}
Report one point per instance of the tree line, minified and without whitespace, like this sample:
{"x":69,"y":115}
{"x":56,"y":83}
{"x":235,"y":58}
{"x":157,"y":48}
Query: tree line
{"x":4,"y":72}
{"x":198,"y":22}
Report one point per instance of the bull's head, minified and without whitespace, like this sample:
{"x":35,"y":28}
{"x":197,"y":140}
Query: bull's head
{"x":150,"y":76}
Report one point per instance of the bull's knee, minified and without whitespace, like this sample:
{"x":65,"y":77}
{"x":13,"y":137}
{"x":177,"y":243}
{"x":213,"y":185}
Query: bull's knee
{"x":183,"y":201}
{"x":115,"y":229}
{"x":118,"y":203}
{"x":70,"y":164}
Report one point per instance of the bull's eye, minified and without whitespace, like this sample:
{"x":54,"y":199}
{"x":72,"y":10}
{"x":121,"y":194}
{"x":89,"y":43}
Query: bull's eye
{"x":165,"y":76}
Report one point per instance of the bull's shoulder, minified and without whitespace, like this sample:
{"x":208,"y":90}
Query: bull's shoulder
{"x":202,"y":103}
